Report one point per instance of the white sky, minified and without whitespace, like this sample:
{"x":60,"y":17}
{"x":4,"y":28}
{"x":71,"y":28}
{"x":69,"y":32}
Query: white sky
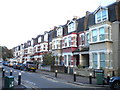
{"x":21,"y":20}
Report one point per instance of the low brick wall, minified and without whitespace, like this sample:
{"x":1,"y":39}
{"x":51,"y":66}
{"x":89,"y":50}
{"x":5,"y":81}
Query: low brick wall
{"x":59,"y":68}
{"x":83,"y":71}
{"x":46,"y":68}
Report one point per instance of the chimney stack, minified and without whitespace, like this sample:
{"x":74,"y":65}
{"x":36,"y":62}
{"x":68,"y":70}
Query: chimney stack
{"x":87,"y":13}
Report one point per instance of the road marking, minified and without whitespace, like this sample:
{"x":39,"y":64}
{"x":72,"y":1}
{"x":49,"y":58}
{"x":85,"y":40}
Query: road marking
{"x":50,"y":78}
{"x":29,"y":84}
{"x":6,"y":71}
{"x":22,"y":72}
{"x":15,"y":71}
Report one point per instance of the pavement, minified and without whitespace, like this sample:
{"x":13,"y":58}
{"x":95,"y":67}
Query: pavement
{"x":69,"y":78}
{"x":16,"y":87}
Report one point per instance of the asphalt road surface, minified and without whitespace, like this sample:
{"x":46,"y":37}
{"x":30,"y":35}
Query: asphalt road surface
{"x":37,"y":80}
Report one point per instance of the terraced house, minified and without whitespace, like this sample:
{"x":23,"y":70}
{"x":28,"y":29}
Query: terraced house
{"x":91,"y":42}
{"x":57,"y":45}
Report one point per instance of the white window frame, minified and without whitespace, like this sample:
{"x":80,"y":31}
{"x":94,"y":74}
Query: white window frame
{"x":69,"y":41}
{"x":87,"y":38}
{"x":95,"y":35}
{"x":39,"y":39}
{"x":101,"y":15}
{"x":95,"y":65}
{"x":82,"y":39}
{"x":100,"y":35}
{"x":46,"y":37}
{"x":71,"y":26}
{"x":59,"y":31}
{"x":102,"y":60}
{"x":107,"y":33}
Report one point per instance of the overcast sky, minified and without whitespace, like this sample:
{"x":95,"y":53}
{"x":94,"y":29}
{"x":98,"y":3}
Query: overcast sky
{"x":21,"y":20}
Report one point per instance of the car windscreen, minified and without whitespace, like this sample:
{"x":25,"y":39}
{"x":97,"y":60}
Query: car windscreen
{"x":29,"y":62}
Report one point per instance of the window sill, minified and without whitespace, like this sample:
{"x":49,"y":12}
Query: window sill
{"x":101,"y":42}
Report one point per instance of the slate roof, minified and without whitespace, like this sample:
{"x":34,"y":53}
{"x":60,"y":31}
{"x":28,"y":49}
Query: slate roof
{"x":50,"y":36}
{"x":80,"y":24}
{"x":112,"y":12}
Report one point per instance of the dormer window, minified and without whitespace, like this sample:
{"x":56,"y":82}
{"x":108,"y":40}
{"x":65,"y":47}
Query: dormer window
{"x":46,"y":37}
{"x":101,"y":15}
{"x":39,"y":39}
{"x":71,"y":27}
{"x":31,"y":42}
{"x":59,"y":31}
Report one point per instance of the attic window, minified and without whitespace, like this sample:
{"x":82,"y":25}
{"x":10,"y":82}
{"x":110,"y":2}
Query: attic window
{"x":101,"y":15}
{"x":71,"y":27}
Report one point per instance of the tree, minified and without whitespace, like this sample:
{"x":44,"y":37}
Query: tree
{"x":48,"y":59}
{"x":6,"y":53}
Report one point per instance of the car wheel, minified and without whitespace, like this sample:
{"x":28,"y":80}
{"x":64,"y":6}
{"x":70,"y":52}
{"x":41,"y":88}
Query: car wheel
{"x":34,"y":70}
{"x":116,"y":85}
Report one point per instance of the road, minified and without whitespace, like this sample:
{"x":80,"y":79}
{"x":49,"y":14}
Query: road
{"x":38,"y":80}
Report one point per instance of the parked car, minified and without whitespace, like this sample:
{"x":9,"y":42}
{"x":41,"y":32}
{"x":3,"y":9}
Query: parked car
{"x":1,"y":64}
{"x":12,"y":62}
{"x":29,"y":65}
{"x":114,"y":83}
{"x":6,"y":63}
{"x":17,"y":65}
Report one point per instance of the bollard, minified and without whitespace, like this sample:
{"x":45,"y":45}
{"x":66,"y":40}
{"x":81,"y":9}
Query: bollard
{"x":3,"y":73}
{"x":19,"y":78}
{"x":108,"y":78}
{"x":74,"y":76}
{"x":56,"y":73}
{"x":2,"y":68}
{"x":113,"y":73}
{"x":10,"y":72}
{"x":90,"y":78}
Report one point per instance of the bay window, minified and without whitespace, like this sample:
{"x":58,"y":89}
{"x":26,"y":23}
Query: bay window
{"x":65,"y":42}
{"x":87,"y":38}
{"x":69,"y":60}
{"x":73,"y":41}
{"x":95,"y":60}
{"x":82,"y":38}
{"x":94,"y":35}
{"x":109,"y":33}
{"x":57,"y":44}
{"x":69,"y":40}
{"x":102,"y":60}
{"x":101,"y":33}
